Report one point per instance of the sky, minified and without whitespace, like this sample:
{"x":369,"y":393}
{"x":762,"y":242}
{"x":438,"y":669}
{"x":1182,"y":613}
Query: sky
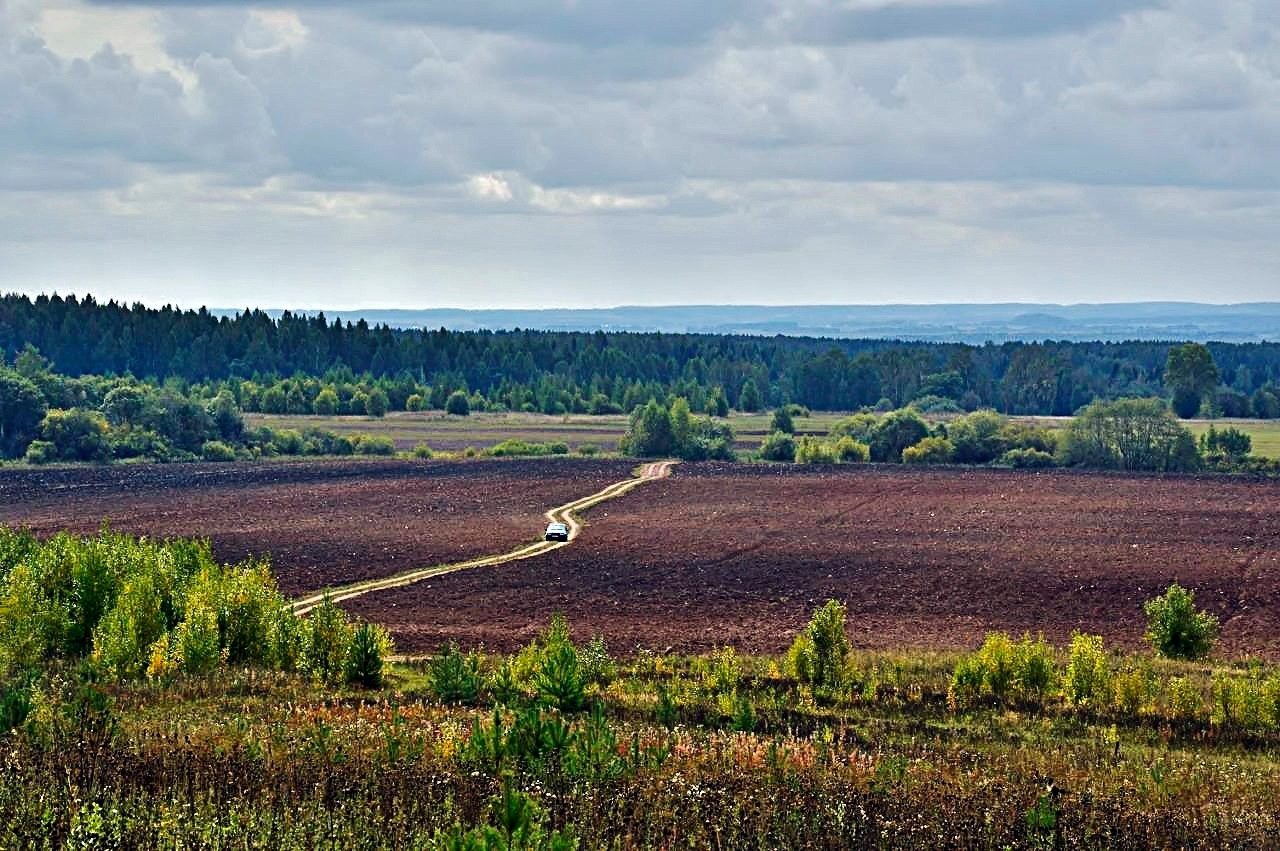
{"x":592,"y":153}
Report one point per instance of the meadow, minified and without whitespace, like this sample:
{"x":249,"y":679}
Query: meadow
{"x":481,"y":430}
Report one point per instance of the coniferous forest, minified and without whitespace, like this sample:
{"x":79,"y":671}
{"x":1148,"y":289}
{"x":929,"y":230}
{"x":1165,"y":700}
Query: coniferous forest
{"x":602,"y":372}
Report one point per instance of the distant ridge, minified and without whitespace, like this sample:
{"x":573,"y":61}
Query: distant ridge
{"x":965,"y":323}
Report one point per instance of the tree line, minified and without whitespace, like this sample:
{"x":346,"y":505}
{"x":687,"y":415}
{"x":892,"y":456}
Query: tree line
{"x":556,"y":372}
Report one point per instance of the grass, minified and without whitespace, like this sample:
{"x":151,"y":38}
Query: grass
{"x":712,"y":751}
{"x":453,"y":434}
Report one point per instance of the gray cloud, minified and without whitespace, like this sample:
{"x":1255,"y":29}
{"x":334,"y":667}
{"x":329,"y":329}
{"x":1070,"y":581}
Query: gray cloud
{"x":986,"y":19}
{"x":596,"y":22}
{"x":471,"y":151}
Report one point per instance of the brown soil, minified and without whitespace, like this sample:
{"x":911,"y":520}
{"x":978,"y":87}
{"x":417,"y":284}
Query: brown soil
{"x":716,"y":554}
{"x":321,"y":523}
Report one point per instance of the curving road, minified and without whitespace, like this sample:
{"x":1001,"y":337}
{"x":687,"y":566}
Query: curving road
{"x":562,"y":514}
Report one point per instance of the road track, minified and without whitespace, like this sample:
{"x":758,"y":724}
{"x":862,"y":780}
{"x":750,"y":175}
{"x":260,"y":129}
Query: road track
{"x":560,"y":514}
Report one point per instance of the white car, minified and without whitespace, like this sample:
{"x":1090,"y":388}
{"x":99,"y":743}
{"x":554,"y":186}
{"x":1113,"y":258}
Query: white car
{"x":557,"y":532}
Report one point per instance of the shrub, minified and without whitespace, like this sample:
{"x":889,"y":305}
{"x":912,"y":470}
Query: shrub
{"x":41,"y":452}
{"x":1175,"y":629}
{"x":326,"y":642}
{"x":588,"y":449}
{"x":896,"y":431}
{"x":931,"y":450}
{"x":1027,"y":459}
{"x":1087,"y":682}
{"x":815,"y":450}
{"x":778,"y":446}
{"x":1003,"y":671}
{"x":458,"y":404}
{"x":818,"y":653}
{"x":375,"y":444}
{"x":216,"y":450}
{"x":850,"y":451}
{"x":782,"y":421}
{"x":422,"y":450}
{"x":454,"y":677}
{"x":370,"y":644}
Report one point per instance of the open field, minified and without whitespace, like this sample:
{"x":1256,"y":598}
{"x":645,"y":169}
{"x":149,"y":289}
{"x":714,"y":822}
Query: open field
{"x":715,"y":554}
{"x":444,"y":433}
{"x":322,"y":523}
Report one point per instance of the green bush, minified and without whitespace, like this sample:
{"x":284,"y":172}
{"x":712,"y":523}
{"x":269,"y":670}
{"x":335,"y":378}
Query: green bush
{"x":326,"y":643}
{"x":1087,"y":682}
{"x":1175,"y":629}
{"x":216,"y":450}
{"x":422,"y":450}
{"x":41,"y":452}
{"x":370,"y":645}
{"x":931,"y":450}
{"x":455,"y":676}
{"x":458,"y":404}
{"x":375,"y":444}
{"x":1027,"y":459}
{"x":815,"y":450}
{"x":850,"y":451}
{"x":817,"y":655}
{"x":778,"y":446}
{"x":1003,"y":671}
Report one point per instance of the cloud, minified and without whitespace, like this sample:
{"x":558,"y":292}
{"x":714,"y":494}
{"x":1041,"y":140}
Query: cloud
{"x":984,"y":19}
{"x":591,"y":22}
{"x":467,"y":149}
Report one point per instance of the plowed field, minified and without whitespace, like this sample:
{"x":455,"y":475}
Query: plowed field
{"x":717,"y":554}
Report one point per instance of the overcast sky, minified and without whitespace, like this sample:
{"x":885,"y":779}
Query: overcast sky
{"x":585,"y":153}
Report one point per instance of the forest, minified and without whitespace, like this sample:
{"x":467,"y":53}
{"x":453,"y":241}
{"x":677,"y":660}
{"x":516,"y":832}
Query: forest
{"x":556,"y":372}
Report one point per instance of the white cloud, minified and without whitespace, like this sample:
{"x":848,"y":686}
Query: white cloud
{"x":741,"y":149}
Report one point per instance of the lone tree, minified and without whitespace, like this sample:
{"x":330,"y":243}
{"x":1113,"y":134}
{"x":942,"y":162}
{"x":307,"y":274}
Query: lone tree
{"x":1189,"y":373}
{"x":1174,"y":627}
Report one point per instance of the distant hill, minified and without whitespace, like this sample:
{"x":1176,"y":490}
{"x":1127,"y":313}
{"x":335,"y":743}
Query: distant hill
{"x":960,"y":323}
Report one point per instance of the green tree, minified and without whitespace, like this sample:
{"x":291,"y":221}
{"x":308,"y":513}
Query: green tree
{"x":458,"y":404}
{"x":896,"y":431}
{"x":226,"y":416}
{"x":978,"y":437}
{"x":782,"y":421}
{"x":22,"y":407}
{"x":1189,"y":374}
{"x":326,"y":403}
{"x":76,"y":435}
{"x":377,"y":403}
{"x":749,"y":396}
{"x":681,"y":426}
{"x":1129,"y":434}
{"x":778,"y":446}
{"x":717,"y":404}
{"x":649,"y":434}
{"x":817,"y":656}
{"x":1174,"y":627}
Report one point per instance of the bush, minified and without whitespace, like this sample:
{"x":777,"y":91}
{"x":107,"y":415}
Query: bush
{"x":931,"y":450}
{"x":422,"y":450}
{"x":216,"y":450}
{"x":326,"y":643}
{"x":1175,"y":629}
{"x":455,"y":677}
{"x":1087,"y":682}
{"x":850,"y":451}
{"x":778,"y":446}
{"x":818,"y":653}
{"x":375,"y":444}
{"x":41,"y":452}
{"x":1027,"y":459}
{"x":370,"y":644}
{"x":782,"y":421}
{"x":815,"y":450}
{"x":458,"y":404}
{"x":895,"y":432}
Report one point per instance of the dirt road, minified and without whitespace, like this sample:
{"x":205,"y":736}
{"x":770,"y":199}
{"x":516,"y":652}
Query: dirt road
{"x":560,"y":514}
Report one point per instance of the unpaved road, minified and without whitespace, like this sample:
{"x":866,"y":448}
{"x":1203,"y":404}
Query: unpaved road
{"x":565,"y":514}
